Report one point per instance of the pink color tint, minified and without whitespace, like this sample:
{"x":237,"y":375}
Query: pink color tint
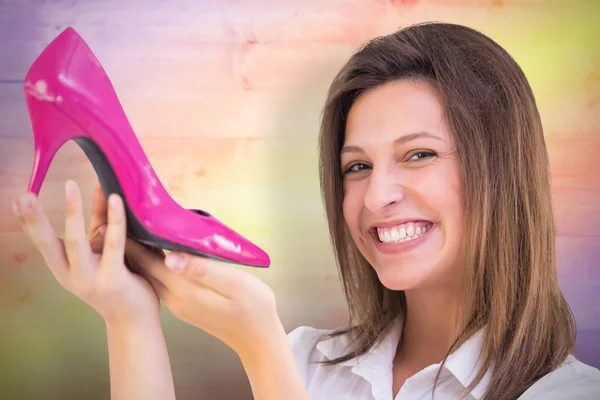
{"x":69,"y":96}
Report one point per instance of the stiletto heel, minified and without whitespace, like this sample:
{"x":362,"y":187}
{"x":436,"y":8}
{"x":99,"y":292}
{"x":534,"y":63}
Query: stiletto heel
{"x":44,"y":116}
{"x":70,"y":97}
{"x":41,"y":163}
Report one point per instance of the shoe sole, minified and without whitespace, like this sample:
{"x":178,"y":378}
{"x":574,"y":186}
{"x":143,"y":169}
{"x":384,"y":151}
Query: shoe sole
{"x":135,"y":229}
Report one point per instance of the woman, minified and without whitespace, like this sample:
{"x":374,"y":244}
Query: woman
{"x":435,"y":180}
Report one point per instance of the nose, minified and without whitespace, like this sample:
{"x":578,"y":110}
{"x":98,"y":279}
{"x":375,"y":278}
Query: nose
{"x":383,"y":191}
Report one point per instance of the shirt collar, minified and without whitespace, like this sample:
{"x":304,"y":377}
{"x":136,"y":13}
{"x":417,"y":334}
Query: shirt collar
{"x":382,"y":352}
{"x":376,"y":364}
{"x":464,"y":364}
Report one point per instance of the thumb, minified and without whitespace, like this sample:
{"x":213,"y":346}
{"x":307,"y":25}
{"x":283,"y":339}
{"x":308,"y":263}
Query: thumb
{"x":224,"y":279}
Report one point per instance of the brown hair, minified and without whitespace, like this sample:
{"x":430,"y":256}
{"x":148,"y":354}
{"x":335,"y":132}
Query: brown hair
{"x":508,"y":253}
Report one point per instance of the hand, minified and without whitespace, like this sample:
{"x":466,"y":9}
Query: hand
{"x":91,"y":266}
{"x":228,"y":303}
{"x":232,"y":305}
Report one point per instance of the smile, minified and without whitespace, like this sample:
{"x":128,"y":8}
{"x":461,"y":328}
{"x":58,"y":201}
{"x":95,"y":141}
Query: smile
{"x":404,"y":232}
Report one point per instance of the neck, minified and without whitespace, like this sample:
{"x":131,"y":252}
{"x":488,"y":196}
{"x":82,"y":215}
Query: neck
{"x":430,"y":326}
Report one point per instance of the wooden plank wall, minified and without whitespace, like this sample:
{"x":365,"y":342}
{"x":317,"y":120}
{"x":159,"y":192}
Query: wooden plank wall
{"x":225,"y":98}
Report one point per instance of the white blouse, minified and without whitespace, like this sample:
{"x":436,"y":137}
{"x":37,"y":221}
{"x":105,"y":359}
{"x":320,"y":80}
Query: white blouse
{"x":370,"y":375}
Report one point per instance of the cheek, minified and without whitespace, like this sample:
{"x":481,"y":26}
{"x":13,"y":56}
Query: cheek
{"x":352,"y":206}
{"x":441,"y":192}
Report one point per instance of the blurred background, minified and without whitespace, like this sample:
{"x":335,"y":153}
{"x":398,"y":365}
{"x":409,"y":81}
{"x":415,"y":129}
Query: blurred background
{"x":225,"y":97}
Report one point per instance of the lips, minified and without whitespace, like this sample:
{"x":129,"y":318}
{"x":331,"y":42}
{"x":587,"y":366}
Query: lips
{"x":397,"y":223}
{"x":396,"y":240}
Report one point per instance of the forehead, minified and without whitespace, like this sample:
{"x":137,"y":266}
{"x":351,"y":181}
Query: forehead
{"x":395,"y":109}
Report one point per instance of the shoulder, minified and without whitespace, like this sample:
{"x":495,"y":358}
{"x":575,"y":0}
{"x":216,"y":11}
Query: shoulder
{"x":303,"y":341}
{"x":571,"y":380}
{"x":307,"y":336}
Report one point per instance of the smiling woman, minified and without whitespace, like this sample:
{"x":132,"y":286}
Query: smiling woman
{"x":403,"y":206}
{"x":436,"y":184}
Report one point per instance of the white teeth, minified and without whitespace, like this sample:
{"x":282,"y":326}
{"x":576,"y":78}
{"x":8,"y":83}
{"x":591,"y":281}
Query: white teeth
{"x":402,"y":233}
{"x":388,"y":236}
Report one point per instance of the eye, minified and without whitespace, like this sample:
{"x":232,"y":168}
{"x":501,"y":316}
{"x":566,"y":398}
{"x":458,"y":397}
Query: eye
{"x":356,"y":167}
{"x":421,"y":155}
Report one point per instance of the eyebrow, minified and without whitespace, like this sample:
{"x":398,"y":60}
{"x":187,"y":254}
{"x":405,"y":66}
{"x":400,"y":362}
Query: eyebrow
{"x":401,"y":140}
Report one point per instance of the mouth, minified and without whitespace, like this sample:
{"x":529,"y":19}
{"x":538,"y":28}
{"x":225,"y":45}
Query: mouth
{"x":403,"y":232}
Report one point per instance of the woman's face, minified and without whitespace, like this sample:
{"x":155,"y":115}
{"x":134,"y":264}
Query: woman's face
{"x":402,"y":190}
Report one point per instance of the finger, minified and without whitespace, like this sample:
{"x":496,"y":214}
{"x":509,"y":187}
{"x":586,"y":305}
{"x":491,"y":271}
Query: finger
{"x":208,"y":307}
{"x":132,"y":264}
{"x":138,"y":255}
{"x":116,"y":233}
{"x":97,"y":243}
{"x":142,"y":260}
{"x":98,"y":216}
{"x":147,"y":261}
{"x":143,"y":254}
{"x":36,"y":224}
{"x":219,"y":277}
{"x":77,"y":246}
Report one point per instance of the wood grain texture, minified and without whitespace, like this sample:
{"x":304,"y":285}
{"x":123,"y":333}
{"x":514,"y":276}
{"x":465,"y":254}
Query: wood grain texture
{"x":273,"y":175}
{"x":225,"y":98}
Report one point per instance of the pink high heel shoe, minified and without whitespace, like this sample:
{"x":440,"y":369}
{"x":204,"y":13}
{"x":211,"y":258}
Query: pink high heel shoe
{"x":69,"y":96}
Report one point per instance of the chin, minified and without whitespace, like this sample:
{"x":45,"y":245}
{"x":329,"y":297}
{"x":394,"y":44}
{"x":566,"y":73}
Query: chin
{"x":408,"y":277}
{"x":418,"y":276}
{"x":420,"y":267}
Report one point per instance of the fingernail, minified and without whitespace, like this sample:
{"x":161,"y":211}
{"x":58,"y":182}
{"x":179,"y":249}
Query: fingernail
{"x":113,"y":201}
{"x":69,"y":188}
{"x":25,"y":203}
{"x":175,"y":262}
{"x":102,"y":229}
{"x":15,"y":207}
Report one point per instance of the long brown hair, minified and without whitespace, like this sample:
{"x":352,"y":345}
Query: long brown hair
{"x":508,"y":255}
